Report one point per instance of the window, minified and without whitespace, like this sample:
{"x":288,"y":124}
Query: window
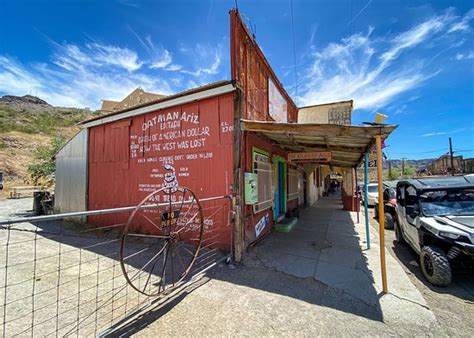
{"x":292,"y":184}
{"x":263,"y":168}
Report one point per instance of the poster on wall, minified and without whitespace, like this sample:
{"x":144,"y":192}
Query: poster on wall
{"x":277,"y":105}
{"x":261,"y":224}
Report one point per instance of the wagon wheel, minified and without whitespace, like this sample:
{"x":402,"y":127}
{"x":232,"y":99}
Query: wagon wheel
{"x":161,"y":240}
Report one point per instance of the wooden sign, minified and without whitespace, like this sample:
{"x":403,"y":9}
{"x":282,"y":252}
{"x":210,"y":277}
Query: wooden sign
{"x":310,"y":156}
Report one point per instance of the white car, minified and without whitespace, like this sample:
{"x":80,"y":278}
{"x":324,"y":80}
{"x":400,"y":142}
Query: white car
{"x":372,"y":194}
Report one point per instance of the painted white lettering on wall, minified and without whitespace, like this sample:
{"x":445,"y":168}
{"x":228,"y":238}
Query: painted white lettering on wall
{"x":170,"y":120}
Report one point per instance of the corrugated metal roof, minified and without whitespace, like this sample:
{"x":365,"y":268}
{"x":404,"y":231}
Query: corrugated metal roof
{"x":346,"y":143}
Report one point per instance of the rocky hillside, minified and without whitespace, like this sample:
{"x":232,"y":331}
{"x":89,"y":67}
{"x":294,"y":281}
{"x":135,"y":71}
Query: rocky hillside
{"x":417,"y":164}
{"x":26,"y":123}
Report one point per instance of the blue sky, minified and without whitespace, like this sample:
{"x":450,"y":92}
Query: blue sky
{"x":411,"y":60}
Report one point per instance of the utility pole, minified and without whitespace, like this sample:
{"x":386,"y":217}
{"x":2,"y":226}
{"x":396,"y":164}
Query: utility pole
{"x":403,"y":166}
{"x":389,"y":169}
{"x":451,"y":155}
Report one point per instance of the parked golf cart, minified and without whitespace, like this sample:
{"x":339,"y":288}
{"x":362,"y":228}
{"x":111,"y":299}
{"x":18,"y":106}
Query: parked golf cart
{"x":390,"y":202}
{"x":436,"y":218}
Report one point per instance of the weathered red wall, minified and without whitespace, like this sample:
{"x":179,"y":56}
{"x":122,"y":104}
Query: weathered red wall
{"x":251,"y":218}
{"x":251,"y":71}
{"x":126,"y":157}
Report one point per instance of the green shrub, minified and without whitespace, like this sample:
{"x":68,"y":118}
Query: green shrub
{"x":45,"y":165}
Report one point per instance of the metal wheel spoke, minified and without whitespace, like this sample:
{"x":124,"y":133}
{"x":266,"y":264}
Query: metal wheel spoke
{"x":149,"y":274}
{"x":163,"y":273}
{"x":149,"y":220}
{"x":169,"y":242}
{"x":136,"y":253}
{"x":149,"y":262}
{"x":151,"y":236}
{"x":185,"y":248}
{"x":189,"y":208}
{"x":187,"y":223}
{"x":180,"y":258}
{"x":172,"y":264}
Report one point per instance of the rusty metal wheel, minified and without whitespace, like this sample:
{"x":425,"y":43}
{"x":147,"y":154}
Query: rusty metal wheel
{"x":161,"y":240}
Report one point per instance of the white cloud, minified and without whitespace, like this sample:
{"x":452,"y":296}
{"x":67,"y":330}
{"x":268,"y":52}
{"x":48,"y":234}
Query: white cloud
{"x":463,"y":25}
{"x":202,"y":54}
{"x":80,"y":77}
{"x":440,"y":133}
{"x":366,"y":68}
{"x":163,"y":61}
{"x":415,"y":36}
{"x":115,"y":56}
{"x":173,"y":67}
{"x":161,"y":58}
{"x":462,"y":56}
{"x":72,"y":57}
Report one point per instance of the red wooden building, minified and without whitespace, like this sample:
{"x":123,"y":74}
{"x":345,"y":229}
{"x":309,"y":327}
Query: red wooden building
{"x":208,"y":138}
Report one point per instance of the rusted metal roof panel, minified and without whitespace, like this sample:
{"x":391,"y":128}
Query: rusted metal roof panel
{"x":346,"y":143}
{"x":251,"y":70}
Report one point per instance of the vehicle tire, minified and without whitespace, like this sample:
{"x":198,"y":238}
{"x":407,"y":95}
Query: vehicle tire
{"x":376,"y":213}
{"x":398,"y":234}
{"x":389,"y":221}
{"x":435,"y":266}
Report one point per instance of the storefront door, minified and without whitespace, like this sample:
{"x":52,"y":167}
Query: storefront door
{"x":279,"y":207}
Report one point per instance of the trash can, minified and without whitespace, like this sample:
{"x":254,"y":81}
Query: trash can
{"x":37,"y":198}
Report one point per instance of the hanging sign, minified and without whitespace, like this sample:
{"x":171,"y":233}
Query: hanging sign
{"x":310,"y":156}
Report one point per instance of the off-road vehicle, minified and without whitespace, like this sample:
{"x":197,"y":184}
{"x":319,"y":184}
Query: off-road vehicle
{"x":390,"y":203}
{"x":436,"y":217}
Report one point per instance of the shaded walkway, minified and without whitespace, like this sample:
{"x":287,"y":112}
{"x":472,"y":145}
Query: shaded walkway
{"x":328,"y":246}
{"x":316,"y":279}
{"x":325,"y":246}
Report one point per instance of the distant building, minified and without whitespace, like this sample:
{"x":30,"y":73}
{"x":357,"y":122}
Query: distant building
{"x":469,"y":165}
{"x":442,"y":165}
{"x":329,"y":113}
{"x":135,"y":98}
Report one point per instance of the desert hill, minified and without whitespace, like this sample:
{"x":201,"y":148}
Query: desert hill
{"x":26,"y":123}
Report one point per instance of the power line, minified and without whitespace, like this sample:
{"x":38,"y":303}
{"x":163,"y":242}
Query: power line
{"x":420,"y":152}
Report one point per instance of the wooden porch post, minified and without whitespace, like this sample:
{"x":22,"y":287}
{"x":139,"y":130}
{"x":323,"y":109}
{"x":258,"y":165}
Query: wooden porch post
{"x":378,"y":142}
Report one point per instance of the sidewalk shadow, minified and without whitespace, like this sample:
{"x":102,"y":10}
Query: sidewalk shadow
{"x":319,"y":262}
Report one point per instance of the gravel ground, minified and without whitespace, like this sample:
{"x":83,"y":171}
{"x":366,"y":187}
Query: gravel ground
{"x":251,"y":300}
{"x":453,"y":305}
{"x":55,"y":280}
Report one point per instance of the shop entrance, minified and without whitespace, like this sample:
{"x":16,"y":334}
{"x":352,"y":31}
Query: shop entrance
{"x":279,"y":208}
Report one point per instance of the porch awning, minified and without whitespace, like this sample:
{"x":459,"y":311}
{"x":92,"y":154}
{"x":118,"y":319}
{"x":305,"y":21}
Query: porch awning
{"x":346,"y":143}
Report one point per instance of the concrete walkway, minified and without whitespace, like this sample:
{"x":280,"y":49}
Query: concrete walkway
{"x":328,"y":245}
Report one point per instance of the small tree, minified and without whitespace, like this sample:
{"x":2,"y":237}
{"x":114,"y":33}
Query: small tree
{"x":393,"y":174}
{"x":45,"y":165}
{"x":409,"y":171}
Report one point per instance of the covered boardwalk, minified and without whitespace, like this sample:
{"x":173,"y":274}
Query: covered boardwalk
{"x":347,"y":144}
{"x":334,"y":147}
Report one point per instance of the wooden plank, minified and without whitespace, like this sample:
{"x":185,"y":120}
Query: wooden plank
{"x":328,"y":130}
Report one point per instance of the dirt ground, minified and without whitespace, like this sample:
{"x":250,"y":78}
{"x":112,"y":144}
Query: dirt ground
{"x":453,"y":305}
{"x":244,"y":300}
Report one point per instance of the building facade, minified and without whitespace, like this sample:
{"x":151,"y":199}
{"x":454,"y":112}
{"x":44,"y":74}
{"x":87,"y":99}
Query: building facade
{"x":442,"y":165}
{"x":235,"y":142}
{"x":135,"y":98}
